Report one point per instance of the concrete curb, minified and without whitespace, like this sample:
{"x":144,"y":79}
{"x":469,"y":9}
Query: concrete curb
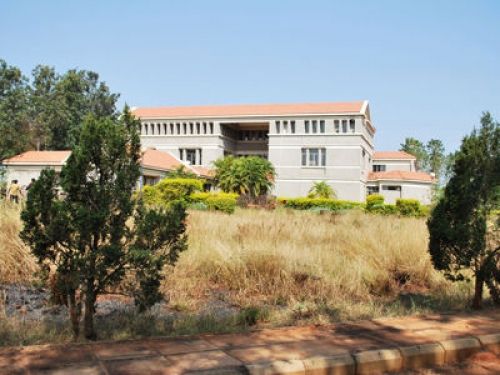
{"x":383,"y":360}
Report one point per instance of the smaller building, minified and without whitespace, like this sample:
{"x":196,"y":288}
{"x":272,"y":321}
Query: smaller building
{"x":394,"y":175}
{"x":155,"y":165}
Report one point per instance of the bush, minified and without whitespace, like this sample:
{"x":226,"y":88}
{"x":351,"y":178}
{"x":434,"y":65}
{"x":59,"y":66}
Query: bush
{"x":225,"y":202}
{"x":409,"y":207}
{"x":373,"y":202}
{"x":171,"y":189}
{"x":315,"y":203}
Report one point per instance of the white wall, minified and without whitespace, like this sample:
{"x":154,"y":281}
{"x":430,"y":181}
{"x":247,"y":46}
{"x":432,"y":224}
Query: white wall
{"x":24,"y":173}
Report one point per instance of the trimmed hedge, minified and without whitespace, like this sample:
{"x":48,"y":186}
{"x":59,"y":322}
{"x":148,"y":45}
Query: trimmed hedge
{"x":224,"y":202}
{"x":404,"y":207}
{"x":408,"y":207}
{"x":171,"y":189}
{"x":314,"y":203}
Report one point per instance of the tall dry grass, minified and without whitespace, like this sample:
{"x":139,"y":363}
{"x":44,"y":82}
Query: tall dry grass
{"x":17,"y":265}
{"x":351,"y":262}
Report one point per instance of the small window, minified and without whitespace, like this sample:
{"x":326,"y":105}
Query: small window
{"x":352,"y":125}
{"x":313,"y":157}
{"x":372,"y":190}
{"x":190,"y":155}
{"x":178,"y":128}
{"x":152,"y":128}
{"x":378,"y":168}
{"x":344,"y":126}
{"x":184,"y":128}
{"x":277,"y":127}
{"x":197,"y":128}
{"x":337,"y":126}
{"x":191,"y":128}
{"x":391,"y":187}
{"x":165,"y":128}
{"x":292,"y":127}
{"x":171,"y":128}
{"x":306,"y":125}
{"x":314,"y":126}
{"x":285,"y":127}
{"x":211,"y":128}
{"x":322,"y":126}
{"x":204,"y":128}
{"x":158,"y":128}
{"x":145,"y":129}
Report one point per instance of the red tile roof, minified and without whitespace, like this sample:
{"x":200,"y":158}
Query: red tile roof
{"x":249,"y":110}
{"x":395,"y":155}
{"x":400,"y":176}
{"x":39,"y":157}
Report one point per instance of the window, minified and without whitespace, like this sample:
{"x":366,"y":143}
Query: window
{"x":145,"y":131}
{"x":191,"y":128}
{"x":158,"y":128}
{"x":391,"y":187}
{"x":164,"y":128}
{"x":372,"y":190}
{"x":314,"y":126}
{"x":292,"y":127}
{"x":277,"y":127}
{"x":171,"y":128}
{"x":378,"y":168}
{"x":337,"y":126}
{"x":211,"y":128}
{"x":197,"y":128}
{"x":306,"y":125}
{"x":344,"y":126}
{"x":322,"y":126}
{"x":178,"y":128}
{"x":313,"y":157}
{"x":184,"y":128}
{"x":352,"y":126}
{"x":204,"y":128}
{"x":190,"y":155}
{"x":285,"y":127}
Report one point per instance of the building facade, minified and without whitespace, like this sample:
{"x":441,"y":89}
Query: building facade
{"x":330,"y":142}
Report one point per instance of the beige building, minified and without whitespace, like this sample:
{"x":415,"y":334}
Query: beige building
{"x":155,"y":165}
{"x":330,"y":142}
{"x":394,"y":175}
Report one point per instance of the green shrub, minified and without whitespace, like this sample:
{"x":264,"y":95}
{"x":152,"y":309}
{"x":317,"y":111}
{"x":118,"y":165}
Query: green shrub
{"x":408,"y":207}
{"x":171,"y":189}
{"x":225,"y":202}
{"x":373,"y":202}
{"x":315,"y":203}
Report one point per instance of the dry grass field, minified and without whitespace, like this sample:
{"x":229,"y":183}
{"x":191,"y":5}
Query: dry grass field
{"x":266,"y":268}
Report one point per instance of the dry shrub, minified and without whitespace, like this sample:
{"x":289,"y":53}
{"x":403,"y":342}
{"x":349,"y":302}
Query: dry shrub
{"x":17,"y":265}
{"x":284,"y":257}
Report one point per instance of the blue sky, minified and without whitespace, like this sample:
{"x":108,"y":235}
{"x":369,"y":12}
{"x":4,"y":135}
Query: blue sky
{"x":428,"y":68}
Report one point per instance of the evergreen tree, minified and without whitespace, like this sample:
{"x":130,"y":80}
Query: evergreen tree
{"x":14,"y":124}
{"x":98,"y":232}
{"x":435,"y":157}
{"x":458,"y":226}
{"x":416,"y":148}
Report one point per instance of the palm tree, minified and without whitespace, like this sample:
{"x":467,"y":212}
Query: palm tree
{"x":321,"y":189}
{"x":252,"y":175}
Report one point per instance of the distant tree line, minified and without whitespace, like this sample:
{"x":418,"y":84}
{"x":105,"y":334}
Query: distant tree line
{"x":431,"y":156}
{"x":45,"y":111}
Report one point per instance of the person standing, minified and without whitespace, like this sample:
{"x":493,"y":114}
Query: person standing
{"x":14,"y":192}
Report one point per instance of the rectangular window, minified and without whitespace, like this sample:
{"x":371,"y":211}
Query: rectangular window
{"x":344,"y":126}
{"x":145,"y":129}
{"x":372,"y":190}
{"x":171,"y":128}
{"x":304,"y":157}
{"x":378,"y":168}
{"x":191,"y":128}
{"x":184,"y":128}
{"x":352,"y":126}
{"x":190,"y":155}
{"x":204,"y":128}
{"x":306,"y":125}
{"x":391,"y":187}
{"x":197,"y":128}
{"x":211,"y":128}
{"x":314,"y":126}
{"x":178,"y":128}
{"x":292,"y":127}
{"x":164,"y":128}
{"x":313,"y":157}
{"x":277,"y":127}
{"x":322,"y":126}
{"x":285,"y":127}
{"x":337,"y":126}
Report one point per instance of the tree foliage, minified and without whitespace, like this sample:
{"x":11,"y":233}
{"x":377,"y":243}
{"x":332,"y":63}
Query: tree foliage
{"x":458,"y":226}
{"x":47,"y":111}
{"x":251,"y":175}
{"x":416,"y":148}
{"x":96,"y":233}
{"x":321,"y":189}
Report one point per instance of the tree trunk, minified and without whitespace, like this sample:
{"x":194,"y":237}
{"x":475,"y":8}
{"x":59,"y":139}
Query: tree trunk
{"x":477,"y":302}
{"x":74,"y":313}
{"x":88,"y":319}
